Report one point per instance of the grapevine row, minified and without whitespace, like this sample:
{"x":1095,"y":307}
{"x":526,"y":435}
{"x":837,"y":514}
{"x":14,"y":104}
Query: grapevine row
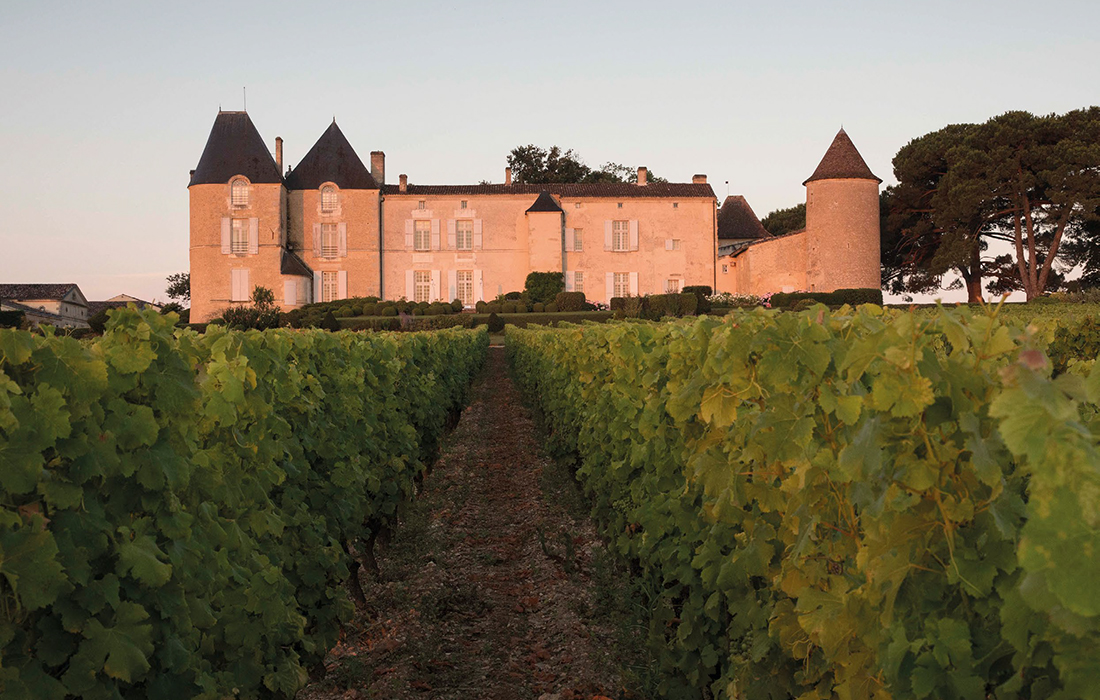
{"x":178,"y":512}
{"x":851,"y":504}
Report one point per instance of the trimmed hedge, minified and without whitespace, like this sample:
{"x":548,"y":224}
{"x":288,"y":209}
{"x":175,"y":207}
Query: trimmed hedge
{"x":854,"y":297}
{"x":702,"y":293}
{"x":570,"y":301}
{"x":11,"y":319}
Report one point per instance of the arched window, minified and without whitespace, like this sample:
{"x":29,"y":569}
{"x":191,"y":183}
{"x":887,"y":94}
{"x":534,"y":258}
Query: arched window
{"x":239,"y":192}
{"x":328,"y":198}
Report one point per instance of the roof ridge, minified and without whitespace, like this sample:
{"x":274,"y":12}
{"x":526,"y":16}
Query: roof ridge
{"x":842,"y":161}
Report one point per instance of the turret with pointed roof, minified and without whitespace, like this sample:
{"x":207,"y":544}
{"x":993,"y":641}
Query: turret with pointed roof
{"x":842,"y":162}
{"x":332,"y":159}
{"x":235,"y":147}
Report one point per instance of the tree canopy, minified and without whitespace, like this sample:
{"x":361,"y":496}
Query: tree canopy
{"x":783,"y":221}
{"x":179,"y":286}
{"x":534,"y":165}
{"x":1031,"y":181}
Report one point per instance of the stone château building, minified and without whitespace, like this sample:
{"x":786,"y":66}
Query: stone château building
{"x":330,"y":228}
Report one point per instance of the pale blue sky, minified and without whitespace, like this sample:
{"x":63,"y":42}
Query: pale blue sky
{"x":106,"y":106}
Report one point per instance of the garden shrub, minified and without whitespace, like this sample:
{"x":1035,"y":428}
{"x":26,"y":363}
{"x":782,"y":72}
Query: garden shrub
{"x":389,"y":311}
{"x":544,"y":286}
{"x":538,"y":307}
{"x":496,"y":324}
{"x":570,"y":301}
{"x":701,"y":292}
{"x":551,"y":308}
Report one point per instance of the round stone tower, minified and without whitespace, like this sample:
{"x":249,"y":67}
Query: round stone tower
{"x":842,"y":221}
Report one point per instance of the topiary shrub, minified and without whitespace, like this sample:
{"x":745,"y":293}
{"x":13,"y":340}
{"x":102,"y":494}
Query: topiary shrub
{"x":635,"y":307}
{"x":551,"y":308}
{"x":513,"y":296}
{"x":661,"y":305}
{"x":701,"y":292}
{"x":538,"y":307}
{"x":389,"y":311}
{"x":618,"y":303}
{"x":418,"y":311}
{"x":456,"y":305}
{"x":508,"y":307}
{"x":803,"y":304}
{"x":857,"y":296}
{"x":494,"y":308}
{"x":496,"y":323}
{"x":544,"y":286}
{"x":435,"y":310}
{"x":689,"y":304}
{"x":480,"y":307}
{"x":570,"y":301}
{"x":370,"y":309}
{"x":329,"y":322}
{"x":521,"y":309}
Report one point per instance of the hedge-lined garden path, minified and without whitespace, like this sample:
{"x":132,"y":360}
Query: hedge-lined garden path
{"x":495,"y":585}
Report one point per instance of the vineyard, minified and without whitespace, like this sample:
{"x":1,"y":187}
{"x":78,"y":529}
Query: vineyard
{"x":180,"y":513}
{"x":841,"y":504}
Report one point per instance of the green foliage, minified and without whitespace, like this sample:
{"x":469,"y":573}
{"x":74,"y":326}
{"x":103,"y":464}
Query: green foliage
{"x":389,"y":311}
{"x":329,"y":322}
{"x":179,"y":286}
{"x":553,"y":308}
{"x":861,"y":504}
{"x":782,"y":221}
{"x":544,"y":286}
{"x":97,"y":321}
{"x":570,"y":301}
{"x":538,"y":307}
{"x":496,"y":324}
{"x":176,"y":509}
{"x":1080,"y":341}
{"x":702,"y":293}
{"x":853,"y":297}
{"x":533,"y":165}
{"x":261,"y":315}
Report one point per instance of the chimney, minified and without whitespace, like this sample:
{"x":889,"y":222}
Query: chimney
{"x":508,"y":175}
{"x":279,"y":153}
{"x":404,"y":180}
{"x":378,"y":167}
{"x":698,"y":179}
{"x":642,"y":172}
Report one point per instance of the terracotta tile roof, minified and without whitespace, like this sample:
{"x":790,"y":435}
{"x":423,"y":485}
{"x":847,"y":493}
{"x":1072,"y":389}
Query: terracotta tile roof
{"x":625,"y":190}
{"x":842,"y":162}
{"x":545,"y":202}
{"x":21,"y":292}
{"x":235,"y":148}
{"x":737,"y":220}
{"x":291,"y":264}
{"x":332,"y":159}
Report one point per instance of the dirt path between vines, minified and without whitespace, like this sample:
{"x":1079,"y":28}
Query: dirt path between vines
{"x":495,"y":585}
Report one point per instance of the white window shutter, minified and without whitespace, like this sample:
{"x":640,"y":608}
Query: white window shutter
{"x":290,"y":292}
{"x":569,"y":281}
{"x":246,"y":286}
{"x":477,"y":234}
{"x":234,"y":285}
{"x":452,"y":234}
{"x":607,"y":245}
{"x":452,"y":284}
{"x":226,"y":226}
{"x":633,"y":284}
{"x":316,"y":287}
{"x":479,"y":284}
{"x":410,"y":285}
{"x":610,"y":286}
{"x":409,"y":235}
{"x":435,"y":286}
{"x":253,"y":236}
{"x":316,"y":240}
{"x":342,"y":234}
{"x":634,"y":234}
{"x":570,"y":240}
{"x":668,"y":244}
{"x":342,"y":284}
{"x":435,"y":234}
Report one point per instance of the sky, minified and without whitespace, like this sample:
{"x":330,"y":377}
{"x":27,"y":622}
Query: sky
{"x":106,"y":106}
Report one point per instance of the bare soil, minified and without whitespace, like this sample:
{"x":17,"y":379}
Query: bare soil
{"x":495,"y":584}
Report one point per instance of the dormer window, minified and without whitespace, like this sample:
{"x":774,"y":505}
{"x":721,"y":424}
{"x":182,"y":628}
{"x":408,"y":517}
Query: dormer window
{"x":462,"y":205}
{"x":239,"y":189}
{"x":328,"y":198}
{"x":422,"y":205}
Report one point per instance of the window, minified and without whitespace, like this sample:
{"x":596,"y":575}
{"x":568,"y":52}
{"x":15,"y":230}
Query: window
{"x":675,"y":205}
{"x":578,"y":246}
{"x":577,"y":205}
{"x":465,"y":287}
{"x":620,"y":205}
{"x":622,"y":284}
{"x":675,"y":244}
{"x":464,"y":235}
{"x":462,"y":205}
{"x":328,"y":198}
{"x":672,"y":286}
{"x":725,"y":269}
{"x":422,"y":204}
{"x":239,"y":240}
{"x":330,"y":241}
{"x":239,"y":196}
{"x":422,"y":285}
{"x":330,"y":286}
{"x":620,"y":235}
{"x":578,"y":281}
{"x":422,"y":234}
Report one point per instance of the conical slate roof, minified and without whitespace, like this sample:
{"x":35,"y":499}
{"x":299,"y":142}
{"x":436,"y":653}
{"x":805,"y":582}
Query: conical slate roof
{"x":545,"y":202}
{"x":842,"y":162}
{"x":235,"y":148}
{"x":332,"y":159}
{"x":737,"y":220}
